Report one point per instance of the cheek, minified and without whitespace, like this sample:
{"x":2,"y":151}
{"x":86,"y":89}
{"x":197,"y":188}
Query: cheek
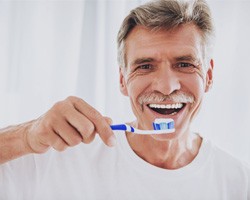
{"x":196,"y":85}
{"x":197,"y":81}
{"x":202,"y":77}
{"x":137,"y":85}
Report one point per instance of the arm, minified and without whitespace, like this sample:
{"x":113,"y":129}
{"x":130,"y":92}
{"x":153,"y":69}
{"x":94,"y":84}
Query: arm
{"x":66,"y":124}
{"x":12,"y":142}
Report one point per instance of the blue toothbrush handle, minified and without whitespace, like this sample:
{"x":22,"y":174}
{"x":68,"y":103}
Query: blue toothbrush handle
{"x":160,"y":128}
{"x":121,"y":127}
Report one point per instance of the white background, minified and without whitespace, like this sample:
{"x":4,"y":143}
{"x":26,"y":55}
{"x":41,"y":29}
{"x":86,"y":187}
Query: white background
{"x":52,"y":49}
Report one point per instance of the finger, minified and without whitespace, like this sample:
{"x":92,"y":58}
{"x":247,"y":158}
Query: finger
{"x":68,"y":133}
{"x":81,"y":123}
{"x":108,"y":120}
{"x":89,"y":139}
{"x":52,"y":139}
{"x":101,"y":125}
{"x":60,"y":144}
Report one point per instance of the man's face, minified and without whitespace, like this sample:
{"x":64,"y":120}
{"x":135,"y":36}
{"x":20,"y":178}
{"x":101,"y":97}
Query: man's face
{"x":165,"y":76}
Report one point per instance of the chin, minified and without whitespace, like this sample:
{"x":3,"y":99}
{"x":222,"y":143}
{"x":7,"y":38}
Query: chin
{"x":165,"y":137}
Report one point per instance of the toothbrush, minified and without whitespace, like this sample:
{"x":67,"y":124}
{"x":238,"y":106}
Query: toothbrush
{"x":160,"y":125}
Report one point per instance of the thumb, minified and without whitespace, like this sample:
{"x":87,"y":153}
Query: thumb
{"x":108,"y":120}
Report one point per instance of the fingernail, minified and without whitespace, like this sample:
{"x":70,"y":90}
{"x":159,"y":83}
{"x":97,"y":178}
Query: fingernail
{"x":112,"y":141}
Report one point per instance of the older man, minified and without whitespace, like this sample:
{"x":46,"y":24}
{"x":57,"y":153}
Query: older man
{"x":164,"y":50}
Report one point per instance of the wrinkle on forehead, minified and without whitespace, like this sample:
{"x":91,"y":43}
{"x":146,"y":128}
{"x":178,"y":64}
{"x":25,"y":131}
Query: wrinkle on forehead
{"x":142,"y":40}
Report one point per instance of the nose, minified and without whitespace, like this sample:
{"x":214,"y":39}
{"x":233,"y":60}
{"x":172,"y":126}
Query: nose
{"x":166,"y":81}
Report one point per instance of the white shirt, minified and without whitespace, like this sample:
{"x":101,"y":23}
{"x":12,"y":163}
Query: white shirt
{"x":98,"y":172}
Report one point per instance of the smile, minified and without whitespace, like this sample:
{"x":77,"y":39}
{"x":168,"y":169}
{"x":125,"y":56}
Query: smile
{"x":167,"y":109}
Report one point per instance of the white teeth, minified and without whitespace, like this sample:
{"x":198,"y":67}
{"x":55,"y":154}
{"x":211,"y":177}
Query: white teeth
{"x":173,"y":113}
{"x":167,"y":106}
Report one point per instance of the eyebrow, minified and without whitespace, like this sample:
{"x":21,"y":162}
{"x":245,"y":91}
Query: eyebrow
{"x":142,"y":60}
{"x":186,"y":58}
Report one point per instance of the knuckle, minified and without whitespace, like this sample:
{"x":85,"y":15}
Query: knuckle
{"x":95,"y":115}
{"x":75,"y":141}
{"x":60,"y":146}
{"x":48,"y":122}
{"x":87,"y":130}
{"x":74,"y":99}
{"x":61,"y":107}
{"x":78,"y":100}
{"x":105,"y":131}
{"x":89,"y":139}
{"x":70,"y":98}
{"x":108,"y":120}
{"x":57,"y":106}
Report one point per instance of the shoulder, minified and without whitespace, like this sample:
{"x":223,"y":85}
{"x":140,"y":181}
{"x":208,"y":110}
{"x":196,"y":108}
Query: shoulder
{"x":223,"y":156}
{"x":228,"y":164}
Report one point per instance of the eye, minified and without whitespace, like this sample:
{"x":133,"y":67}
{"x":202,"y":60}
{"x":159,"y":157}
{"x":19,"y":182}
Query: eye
{"x":146,"y":66}
{"x":185,"y":67}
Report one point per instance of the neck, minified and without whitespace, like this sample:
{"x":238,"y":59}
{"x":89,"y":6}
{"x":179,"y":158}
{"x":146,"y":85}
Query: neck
{"x":168,"y":154}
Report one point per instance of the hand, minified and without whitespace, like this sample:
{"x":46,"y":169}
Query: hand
{"x":68,"y":123}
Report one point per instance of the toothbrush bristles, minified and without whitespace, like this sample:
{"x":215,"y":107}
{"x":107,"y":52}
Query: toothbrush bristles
{"x":163,"y":124}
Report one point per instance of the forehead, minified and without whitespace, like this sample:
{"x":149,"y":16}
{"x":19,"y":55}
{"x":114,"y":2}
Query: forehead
{"x":143,"y":42}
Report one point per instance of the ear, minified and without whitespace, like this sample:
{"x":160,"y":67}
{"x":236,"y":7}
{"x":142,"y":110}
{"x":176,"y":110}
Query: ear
{"x":209,"y":76}
{"x":123,"y":87}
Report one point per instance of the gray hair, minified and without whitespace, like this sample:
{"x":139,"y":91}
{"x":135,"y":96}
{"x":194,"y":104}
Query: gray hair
{"x":167,"y":15}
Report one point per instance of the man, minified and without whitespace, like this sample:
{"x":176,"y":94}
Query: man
{"x":164,"y":53}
